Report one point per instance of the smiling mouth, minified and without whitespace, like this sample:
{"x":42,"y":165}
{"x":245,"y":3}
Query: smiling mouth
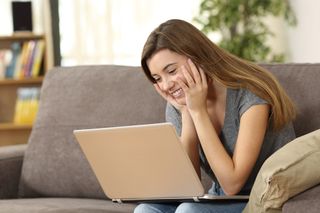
{"x":177,"y":93}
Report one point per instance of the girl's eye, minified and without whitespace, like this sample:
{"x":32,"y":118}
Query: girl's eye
{"x":156,"y":79}
{"x":172,"y":71}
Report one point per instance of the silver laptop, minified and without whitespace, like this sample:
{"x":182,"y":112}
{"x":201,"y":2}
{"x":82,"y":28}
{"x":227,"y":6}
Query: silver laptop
{"x":142,"y":163}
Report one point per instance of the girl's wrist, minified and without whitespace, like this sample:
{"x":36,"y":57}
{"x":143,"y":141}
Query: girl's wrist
{"x":198,"y":114}
{"x":184,"y":111}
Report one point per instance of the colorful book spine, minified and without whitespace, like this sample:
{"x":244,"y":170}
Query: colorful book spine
{"x":3,"y":63}
{"x":25,"y":59}
{"x":15,"y":49}
{"x":29,"y":62}
{"x":18,"y":73}
{"x":27,"y":105}
{"x":38,"y":58}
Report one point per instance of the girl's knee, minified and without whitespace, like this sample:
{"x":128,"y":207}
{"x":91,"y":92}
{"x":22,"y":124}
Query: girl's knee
{"x":154,"y":208}
{"x":143,"y":208}
{"x":187,"y":208}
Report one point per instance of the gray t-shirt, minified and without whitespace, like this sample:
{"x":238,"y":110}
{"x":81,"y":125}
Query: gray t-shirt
{"x":238,"y":101}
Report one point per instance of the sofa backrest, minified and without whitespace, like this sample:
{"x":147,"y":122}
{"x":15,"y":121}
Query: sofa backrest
{"x":301,"y":81}
{"x":106,"y":95}
{"x":76,"y":98}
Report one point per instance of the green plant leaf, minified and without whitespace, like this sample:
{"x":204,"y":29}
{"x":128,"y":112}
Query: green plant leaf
{"x":241,"y":24}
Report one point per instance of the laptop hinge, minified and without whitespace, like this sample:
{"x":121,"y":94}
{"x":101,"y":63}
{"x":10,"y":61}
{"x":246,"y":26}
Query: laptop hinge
{"x":196,"y":199}
{"x":117,"y":200}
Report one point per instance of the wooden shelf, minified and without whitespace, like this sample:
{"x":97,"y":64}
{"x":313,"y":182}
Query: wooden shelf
{"x":21,"y":36}
{"x":5,"y":41}
{"x":24,"y":81}
{"x":11,"y":133}
{"x":12,"y":126}
{"x":14,"y":134}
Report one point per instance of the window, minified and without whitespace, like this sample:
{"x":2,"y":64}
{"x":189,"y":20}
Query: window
{"x":114,"y":31}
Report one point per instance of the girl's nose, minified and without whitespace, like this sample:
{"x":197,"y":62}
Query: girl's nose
{"x":167,"y":84}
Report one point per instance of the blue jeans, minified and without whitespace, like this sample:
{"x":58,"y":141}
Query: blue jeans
{"x":212,"y":207}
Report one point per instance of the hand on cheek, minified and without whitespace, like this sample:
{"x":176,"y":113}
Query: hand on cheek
{"x":195,"y":87}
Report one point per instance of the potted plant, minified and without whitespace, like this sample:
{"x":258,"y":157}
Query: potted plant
{"x":241,"y":24}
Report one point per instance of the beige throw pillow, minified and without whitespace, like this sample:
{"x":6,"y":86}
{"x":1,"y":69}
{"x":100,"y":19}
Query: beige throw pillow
{"x":289,"y":171}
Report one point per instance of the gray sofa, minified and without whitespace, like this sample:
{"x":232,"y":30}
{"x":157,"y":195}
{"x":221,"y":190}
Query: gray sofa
{"x":50,"y":174}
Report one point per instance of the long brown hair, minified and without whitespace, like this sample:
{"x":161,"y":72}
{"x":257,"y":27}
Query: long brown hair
{"x":183,"y":38}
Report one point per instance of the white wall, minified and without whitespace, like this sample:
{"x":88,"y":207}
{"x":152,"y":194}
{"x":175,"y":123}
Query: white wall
{"x":304,"y":39}
{"x":5,"y":17}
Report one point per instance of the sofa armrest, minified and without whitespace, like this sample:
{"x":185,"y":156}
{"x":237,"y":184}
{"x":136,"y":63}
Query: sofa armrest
{"x":11,"y":158}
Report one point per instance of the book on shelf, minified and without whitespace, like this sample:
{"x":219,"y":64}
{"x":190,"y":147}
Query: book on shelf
{"x":27,"y":104}
{"x":38,"y":58}
{"x":15,"y":51}
{"x":19,"y":71}
{"x":26,"y":60}
{"x":5,"y":59}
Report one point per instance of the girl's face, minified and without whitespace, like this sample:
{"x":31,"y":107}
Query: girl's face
{"x":165,"y":68}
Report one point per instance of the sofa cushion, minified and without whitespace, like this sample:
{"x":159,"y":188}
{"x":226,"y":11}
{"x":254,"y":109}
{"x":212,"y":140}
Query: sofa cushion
{"x":63,"y":205}
{"x":289,"y":171}
{"x":76,"y":98}
{"x":308,"y":201}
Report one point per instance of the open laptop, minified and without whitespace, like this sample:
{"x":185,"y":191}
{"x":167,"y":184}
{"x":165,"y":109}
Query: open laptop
{"x":143,"y":163}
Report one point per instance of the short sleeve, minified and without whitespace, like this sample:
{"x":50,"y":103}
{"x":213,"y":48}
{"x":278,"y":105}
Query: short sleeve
{"x":173,"y":116}
{"x":249,"y":99}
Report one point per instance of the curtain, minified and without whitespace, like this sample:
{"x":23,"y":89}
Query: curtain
{"x":114,"y":31}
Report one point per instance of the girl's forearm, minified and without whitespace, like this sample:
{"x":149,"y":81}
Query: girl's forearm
{"x":219,"y":160}
{"x":190,"y":141}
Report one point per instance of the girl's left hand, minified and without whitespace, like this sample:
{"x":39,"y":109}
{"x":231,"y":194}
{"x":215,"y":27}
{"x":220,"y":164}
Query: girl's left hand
{"x":195,"y":88}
